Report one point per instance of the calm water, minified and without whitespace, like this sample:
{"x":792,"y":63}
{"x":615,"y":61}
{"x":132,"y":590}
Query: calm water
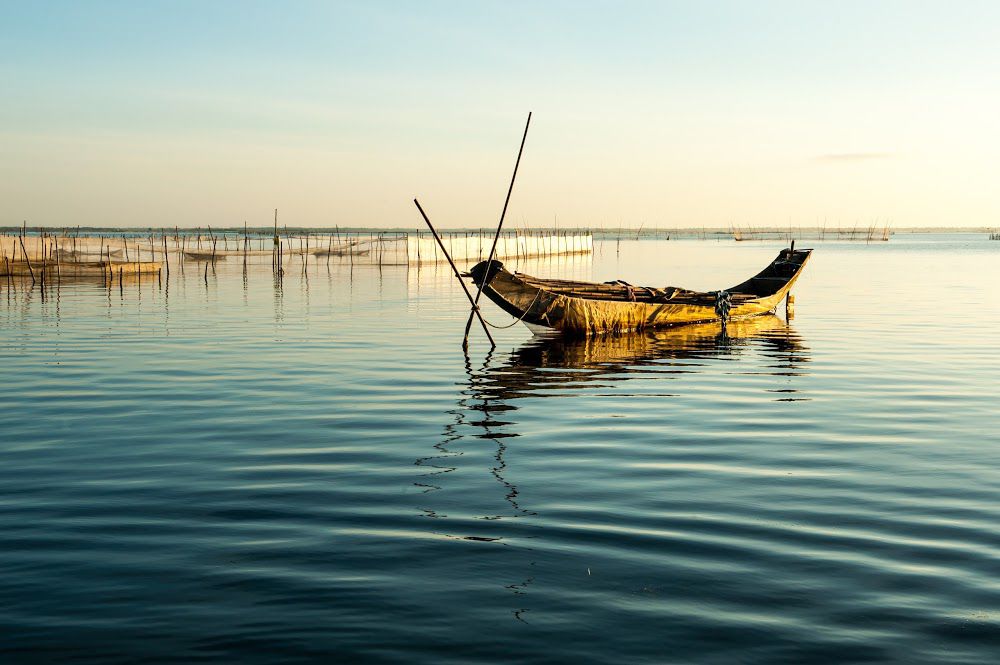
{"x":246,"y":471}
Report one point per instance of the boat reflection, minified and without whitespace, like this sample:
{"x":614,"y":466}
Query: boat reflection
{"x":556,"y":362}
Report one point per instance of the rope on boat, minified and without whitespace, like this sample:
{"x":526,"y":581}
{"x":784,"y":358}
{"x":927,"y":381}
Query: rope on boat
{"x":517,"y":320}
{"x":723,"y":303}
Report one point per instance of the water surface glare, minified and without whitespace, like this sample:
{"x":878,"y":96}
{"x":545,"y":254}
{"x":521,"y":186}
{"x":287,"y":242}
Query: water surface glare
{"x":227,"y":467}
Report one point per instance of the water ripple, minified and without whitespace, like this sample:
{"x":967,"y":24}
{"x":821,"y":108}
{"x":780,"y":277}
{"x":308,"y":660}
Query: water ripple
{"x":310,"y":469}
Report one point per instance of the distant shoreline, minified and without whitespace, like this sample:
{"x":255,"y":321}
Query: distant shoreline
{"x":598,"y":232}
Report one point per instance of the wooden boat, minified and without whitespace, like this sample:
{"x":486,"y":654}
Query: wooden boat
{"x":82,"y":255}
{"x":78,"y":269}
{"x":584,"y":308}
{"x":204,"y":256}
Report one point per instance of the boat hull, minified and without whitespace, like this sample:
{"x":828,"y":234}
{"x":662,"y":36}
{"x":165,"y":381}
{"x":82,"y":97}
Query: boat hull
{"x":536,"y":303}
{"x":78,"y":269}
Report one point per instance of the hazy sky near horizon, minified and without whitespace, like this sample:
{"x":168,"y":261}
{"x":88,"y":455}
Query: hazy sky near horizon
{"x":192,"y":113}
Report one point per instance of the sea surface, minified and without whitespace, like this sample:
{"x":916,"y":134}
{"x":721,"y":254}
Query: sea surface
{"x":224,"y":466}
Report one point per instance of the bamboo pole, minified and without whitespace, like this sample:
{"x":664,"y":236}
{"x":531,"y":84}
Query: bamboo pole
{"x":41,"y":274}
{"x":458,"y":276}
{"x":496,"y":237}
{"x":27,"y":260}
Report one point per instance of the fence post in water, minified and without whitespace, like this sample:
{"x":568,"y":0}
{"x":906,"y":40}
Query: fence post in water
{"x":27,"y":260}
{"x":41,"y":273}
{"x":166,"y":256}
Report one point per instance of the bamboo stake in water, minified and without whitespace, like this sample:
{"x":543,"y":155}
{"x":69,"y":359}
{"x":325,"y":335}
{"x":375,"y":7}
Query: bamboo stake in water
{"x":493,"y":248}
{"x":41,"y":274}
{"x":27,"y":260}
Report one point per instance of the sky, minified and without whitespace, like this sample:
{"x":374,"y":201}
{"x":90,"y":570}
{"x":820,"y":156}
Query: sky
{"x":656,"y":114}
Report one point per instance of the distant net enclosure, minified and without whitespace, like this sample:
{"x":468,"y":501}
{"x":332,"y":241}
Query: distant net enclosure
{"x":475,"y":247}
{"x":69,"y":253}
{"x":421,"y":247}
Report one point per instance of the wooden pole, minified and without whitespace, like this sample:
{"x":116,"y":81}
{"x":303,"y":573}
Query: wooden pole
{"x":458,"y":276}
{"x":27,"y":260}
{"x":496,"y":237}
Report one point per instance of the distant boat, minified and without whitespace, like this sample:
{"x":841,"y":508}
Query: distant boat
{"x":78,"y":268}
{"x":584,"y":308}
{"x":204,"y":256}
{"x":85,"y":255}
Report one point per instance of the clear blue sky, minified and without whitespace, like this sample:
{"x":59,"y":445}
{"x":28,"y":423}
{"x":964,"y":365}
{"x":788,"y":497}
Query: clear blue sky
{"x":663,"y":114}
